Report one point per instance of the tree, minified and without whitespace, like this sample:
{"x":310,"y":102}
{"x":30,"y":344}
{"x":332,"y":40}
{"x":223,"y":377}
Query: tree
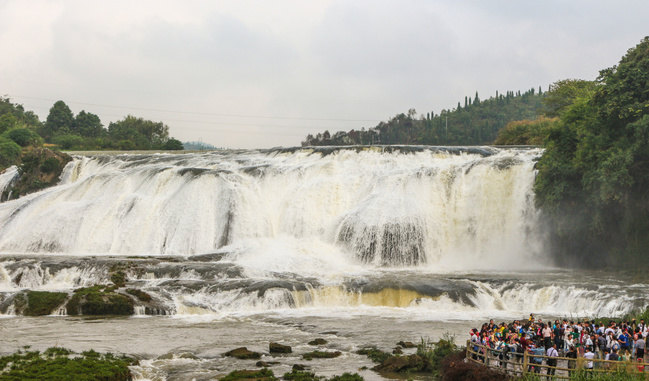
{"x":144,"y":134}
{"x":88,"y":124}
{"x":592,"y":178}
{"x":60,"y":119}
{"x":564,"y":93}
{"x":173,"y":145}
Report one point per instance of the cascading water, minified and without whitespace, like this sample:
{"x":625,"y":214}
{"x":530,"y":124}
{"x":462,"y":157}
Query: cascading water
{"x":312,"y":231}
{"x":383,"y":208}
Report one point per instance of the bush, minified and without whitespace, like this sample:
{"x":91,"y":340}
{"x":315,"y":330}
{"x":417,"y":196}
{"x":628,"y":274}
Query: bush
{"x":50,"y":165}
{"x":9,"y":152}
{"x":68,"y":141}
{"x":24,"y":137}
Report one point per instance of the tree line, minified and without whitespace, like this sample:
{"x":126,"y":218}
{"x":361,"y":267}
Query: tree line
{"x":85,"y":130}
{"x":477,"y":122}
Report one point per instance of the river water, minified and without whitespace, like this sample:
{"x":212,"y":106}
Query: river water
{"x":359,"y":246}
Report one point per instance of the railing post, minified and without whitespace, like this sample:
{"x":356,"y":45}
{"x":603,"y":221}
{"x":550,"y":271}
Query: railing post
{"x":525,"y":361}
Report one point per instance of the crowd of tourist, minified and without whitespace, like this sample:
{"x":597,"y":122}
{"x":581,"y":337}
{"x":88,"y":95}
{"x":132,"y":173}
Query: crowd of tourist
{"x":613,"y":340}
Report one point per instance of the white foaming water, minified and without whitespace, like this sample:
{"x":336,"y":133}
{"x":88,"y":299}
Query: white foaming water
{"x":7,"y":177}
{"x":427,"y":208}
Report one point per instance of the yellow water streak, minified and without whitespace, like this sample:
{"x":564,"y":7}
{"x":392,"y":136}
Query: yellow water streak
{"x":339,"y":296}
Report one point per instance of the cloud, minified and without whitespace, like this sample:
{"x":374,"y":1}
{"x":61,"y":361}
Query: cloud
{"x":260,"y":74}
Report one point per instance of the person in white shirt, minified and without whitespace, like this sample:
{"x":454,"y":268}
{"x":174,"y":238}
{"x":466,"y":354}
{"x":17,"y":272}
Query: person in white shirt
{"x":589,"y":355}
{"x":552,"y":362}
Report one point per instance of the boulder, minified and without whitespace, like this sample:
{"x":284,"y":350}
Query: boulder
{"x":243,"y":354}
{"x":318,"y":341}
{"x":279,"y":348}
{"x":406,"y":344}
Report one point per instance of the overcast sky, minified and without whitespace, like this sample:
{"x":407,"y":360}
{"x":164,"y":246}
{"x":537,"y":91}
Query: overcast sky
{"x":254,"y":74}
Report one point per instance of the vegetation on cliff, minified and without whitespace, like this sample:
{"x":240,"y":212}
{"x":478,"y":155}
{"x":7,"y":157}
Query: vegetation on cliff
{"x":594,"y":175}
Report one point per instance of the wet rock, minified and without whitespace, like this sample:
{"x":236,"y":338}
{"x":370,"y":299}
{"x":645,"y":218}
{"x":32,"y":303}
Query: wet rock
{"x":266,"y":364}
{"x":243,"y":354}
{"x":406,"y":344}
{"x":318,"y":341}
{"x":99,"y":300}
{"x":139,"y":294}
{"x":166,"y":356}
{"x":279,"y":348}
{"x":259,"y":375}
{"x":320,"y":355}
{"x":395,"y":364}
{"x":300,"y":367}
{"x":188,"y":355}
{"x":397,"y":351}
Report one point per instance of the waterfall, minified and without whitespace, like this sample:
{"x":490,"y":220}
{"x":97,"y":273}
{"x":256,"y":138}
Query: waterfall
{"x":418,"y":206}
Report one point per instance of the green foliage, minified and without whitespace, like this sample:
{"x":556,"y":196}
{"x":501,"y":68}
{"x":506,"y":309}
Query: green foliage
{"x":99,"y":300}
{"x":50,"y":165}
{"x":564,"y":93}
{"x":347,"y":377}
{"x":593,"y":176}
{"x":59,"y":120}
{"x":144,"y":134}
{"x":173,"y":145}
{"x":526,"y":132}
{"x":63,"y":364}
{"x":374,"y":354}
{"x":118,"y":278}
{"x":434,"y":353}
{"x":43,"y":302}
{"x":88,"y":124}
{"x":7,"y":122}
{"x":320,"y":355}
{"x":476,"y":123}
{"x":24,"y":137}
{"x":9,"y":152}
{"x":68,"y":141}
{"x":263,"y":374}
{"x":301,"y":375}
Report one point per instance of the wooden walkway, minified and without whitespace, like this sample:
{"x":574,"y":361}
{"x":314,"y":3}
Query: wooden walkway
{"x":519,"y":364}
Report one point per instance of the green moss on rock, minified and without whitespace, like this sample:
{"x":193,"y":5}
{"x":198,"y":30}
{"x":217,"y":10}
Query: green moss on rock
{"x":99,"y":300}
{"x":262,"y":374}
{"x":63,"y":364}
{"x":320,"y":355}
{"x":43,"y":302}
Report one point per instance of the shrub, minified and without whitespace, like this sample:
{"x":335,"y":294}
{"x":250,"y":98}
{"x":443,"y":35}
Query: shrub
{"x":9,"y":152}
{"x":50,"y":165}
{"x":23,"y":137}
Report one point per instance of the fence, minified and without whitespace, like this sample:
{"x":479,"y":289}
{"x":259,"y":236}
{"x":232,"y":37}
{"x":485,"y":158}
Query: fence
{"x":520,"y":364}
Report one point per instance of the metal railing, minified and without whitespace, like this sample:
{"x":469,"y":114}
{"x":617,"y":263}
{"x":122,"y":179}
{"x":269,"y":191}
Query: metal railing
{"x":519,"y":364}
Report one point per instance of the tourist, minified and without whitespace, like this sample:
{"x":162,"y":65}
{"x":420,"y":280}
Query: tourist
{"x":552,"y":361}
{"x":639,"y":347}
{"x":589,"y":355}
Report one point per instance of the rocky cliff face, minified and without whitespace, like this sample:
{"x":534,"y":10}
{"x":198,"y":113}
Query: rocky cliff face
{"x":38,"y":168}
